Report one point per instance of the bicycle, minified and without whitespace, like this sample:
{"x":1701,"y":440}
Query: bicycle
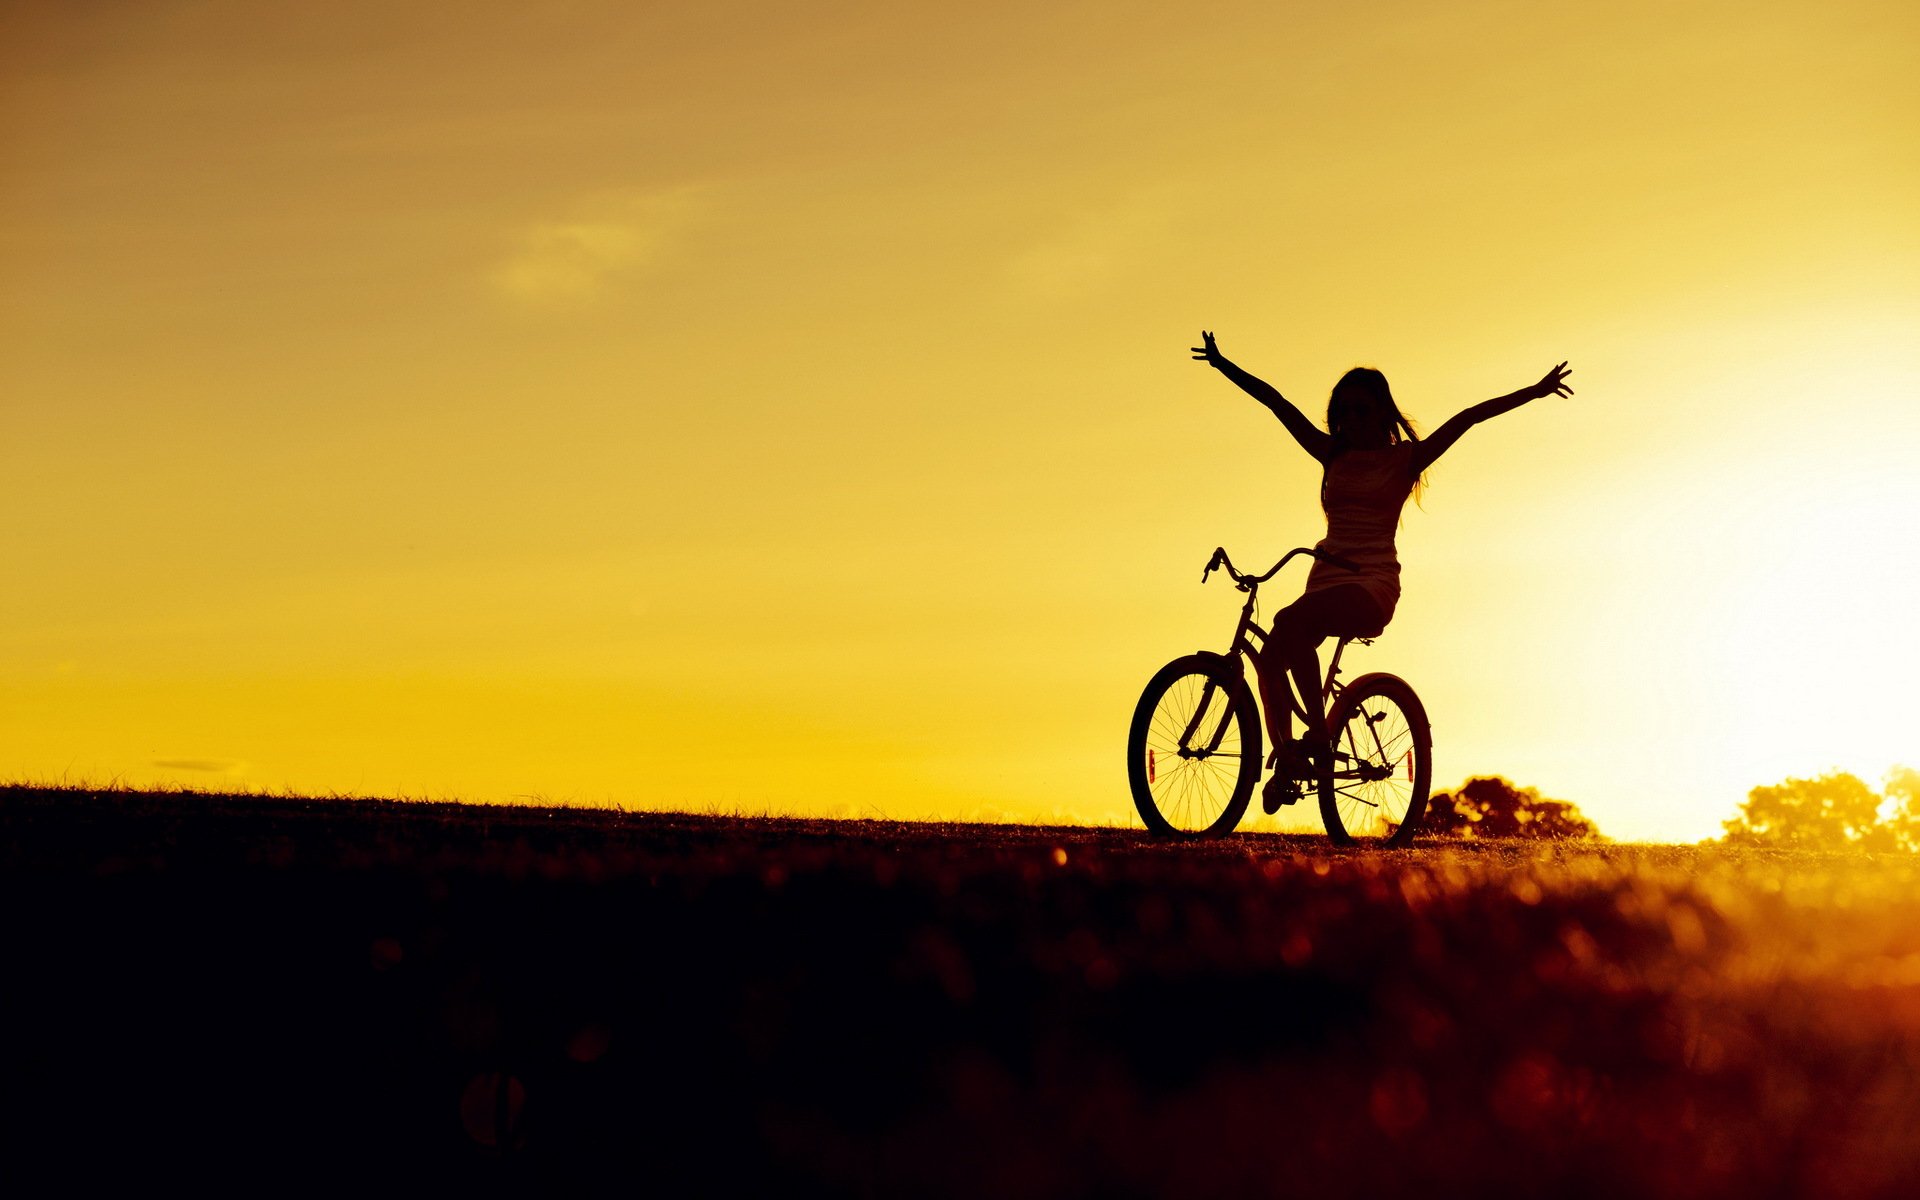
{"x":1194,"y":747}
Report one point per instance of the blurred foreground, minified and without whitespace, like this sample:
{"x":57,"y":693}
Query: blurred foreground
{"x":469,"y":997}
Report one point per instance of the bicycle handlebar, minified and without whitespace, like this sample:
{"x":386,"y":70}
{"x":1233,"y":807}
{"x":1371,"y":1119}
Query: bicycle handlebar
{"x":1245,"y":582}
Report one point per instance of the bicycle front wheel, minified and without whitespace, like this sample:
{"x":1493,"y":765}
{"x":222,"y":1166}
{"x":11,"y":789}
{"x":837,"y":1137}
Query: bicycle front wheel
{"x":1374,"y":790}
{"x":1193,"y":750}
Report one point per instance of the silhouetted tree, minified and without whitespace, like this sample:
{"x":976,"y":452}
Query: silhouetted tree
{"x":1831,"y":811}
{"x":1836,"y":811}
{"x":1488,"y":806}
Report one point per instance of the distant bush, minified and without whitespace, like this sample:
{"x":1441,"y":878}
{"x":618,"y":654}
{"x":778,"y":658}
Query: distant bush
{"x":1837,"y":811}
{"x":1488,"y":806}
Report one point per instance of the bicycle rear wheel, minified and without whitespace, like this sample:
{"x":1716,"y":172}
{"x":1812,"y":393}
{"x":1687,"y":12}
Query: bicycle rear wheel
{"x":1193,"y":750}
{"x":1374,"y":791}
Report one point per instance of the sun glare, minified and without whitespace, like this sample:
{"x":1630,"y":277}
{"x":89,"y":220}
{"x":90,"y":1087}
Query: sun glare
{"x":1818,"y":651}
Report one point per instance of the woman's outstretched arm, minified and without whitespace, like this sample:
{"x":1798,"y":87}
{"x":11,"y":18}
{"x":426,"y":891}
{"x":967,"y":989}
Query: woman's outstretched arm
{"x":1312,"y":439}
{"x":1429,"y":448}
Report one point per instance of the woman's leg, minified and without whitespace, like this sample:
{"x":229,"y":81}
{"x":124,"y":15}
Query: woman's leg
{"x":1294,"y":648}
{"x":1276,"y":696}
{"x":1305,"y":665}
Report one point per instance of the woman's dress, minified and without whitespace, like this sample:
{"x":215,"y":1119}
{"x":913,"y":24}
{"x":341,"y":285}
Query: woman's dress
{"x":1365,"y":490}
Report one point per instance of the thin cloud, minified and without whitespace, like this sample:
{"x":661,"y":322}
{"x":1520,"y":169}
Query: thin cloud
{"x":212,"y":766}
{"x":609,"y":242}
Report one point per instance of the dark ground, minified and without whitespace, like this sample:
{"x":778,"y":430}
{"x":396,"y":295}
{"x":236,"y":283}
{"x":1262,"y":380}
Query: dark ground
{"x":267,"y":991}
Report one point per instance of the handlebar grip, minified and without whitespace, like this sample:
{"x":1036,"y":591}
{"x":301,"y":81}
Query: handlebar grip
{"x":1334,"y":559}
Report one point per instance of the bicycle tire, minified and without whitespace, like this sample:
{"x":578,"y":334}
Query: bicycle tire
{"x":1194,"y":794}
{"x":1374,"y":789}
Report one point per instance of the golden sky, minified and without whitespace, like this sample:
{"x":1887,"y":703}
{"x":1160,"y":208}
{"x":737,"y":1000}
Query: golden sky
{"x":787,"y":408}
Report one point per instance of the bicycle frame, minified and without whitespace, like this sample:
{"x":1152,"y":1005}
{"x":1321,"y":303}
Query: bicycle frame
{"x":1245,"y":634}
{"x":1243,"y":643}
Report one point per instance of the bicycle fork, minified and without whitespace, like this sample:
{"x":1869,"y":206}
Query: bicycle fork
{"x":1186,"y":749}
{"x":1193,"y":724}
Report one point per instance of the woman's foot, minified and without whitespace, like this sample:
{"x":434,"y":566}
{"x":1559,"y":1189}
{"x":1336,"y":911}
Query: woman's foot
{"x":1290,"y":765}
{"x":1281,"y":790}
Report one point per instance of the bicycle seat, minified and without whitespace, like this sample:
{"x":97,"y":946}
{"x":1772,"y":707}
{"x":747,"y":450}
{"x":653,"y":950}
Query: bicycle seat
{"x":1366,"y":635}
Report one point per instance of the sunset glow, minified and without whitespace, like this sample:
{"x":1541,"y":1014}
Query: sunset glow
{"x":775,"y":408}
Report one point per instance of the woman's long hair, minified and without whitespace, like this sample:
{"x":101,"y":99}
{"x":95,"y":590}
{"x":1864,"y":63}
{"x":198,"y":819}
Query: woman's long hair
{"x":1362,"y":411}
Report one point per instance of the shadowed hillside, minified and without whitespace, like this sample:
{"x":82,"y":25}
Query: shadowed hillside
{"x":466,"y":996}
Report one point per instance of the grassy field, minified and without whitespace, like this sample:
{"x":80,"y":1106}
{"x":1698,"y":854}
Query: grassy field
{"x":472,"y":996}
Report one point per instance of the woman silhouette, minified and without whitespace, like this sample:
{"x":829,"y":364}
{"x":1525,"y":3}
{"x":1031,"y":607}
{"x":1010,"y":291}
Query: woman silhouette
{"x":1370,"y":460}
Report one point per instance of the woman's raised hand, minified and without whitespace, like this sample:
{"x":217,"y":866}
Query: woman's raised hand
{"x":1207,"y":352}
{"x":1553,"y":383}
